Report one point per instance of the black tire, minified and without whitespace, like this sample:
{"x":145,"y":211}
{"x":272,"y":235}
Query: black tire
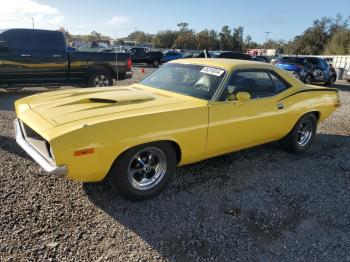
{"x":121,"y":76}
{"x":308,"y":79}
{"x":155,"y":63}
{"x":120,"y":180}
{"x":293,"y":141}
{"x":104,"y":75}
{"x":331,"y":81}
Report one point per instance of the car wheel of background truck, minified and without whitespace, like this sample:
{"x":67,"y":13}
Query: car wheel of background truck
{"x":100,"y":78}
{"x":308,"y":79}
{"x":143,"y":171}
{"x":330,"y":82}
{"x":302,"y":135}
{"x":155,"y":63}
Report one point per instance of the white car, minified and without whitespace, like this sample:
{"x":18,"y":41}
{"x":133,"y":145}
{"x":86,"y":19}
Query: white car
{"x":348,"y":75}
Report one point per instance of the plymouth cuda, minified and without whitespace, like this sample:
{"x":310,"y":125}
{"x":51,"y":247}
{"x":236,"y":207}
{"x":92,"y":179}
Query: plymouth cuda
{"x":186,"y":111}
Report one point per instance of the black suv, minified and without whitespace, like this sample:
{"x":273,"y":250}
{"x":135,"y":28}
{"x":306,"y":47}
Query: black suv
{"x":309,"y":69}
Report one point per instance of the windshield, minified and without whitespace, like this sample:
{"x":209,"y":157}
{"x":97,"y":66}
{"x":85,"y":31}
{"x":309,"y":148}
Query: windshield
{"x":192,"y":80}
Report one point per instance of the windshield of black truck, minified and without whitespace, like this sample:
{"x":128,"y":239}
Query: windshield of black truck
{"x":192,"y":80}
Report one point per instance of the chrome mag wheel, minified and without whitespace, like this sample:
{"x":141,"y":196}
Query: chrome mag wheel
{"x":101,"y":80}
{"x":305,"y":132}
{"x":147,"y":168}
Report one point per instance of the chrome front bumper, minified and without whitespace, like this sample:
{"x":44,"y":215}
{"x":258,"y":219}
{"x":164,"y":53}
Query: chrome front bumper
{"x":48,"y":166}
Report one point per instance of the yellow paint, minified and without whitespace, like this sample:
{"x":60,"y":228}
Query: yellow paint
{"x":69,"y":121}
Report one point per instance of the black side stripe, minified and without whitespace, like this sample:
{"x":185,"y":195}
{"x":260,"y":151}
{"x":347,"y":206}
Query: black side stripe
{"x":310,"y":90}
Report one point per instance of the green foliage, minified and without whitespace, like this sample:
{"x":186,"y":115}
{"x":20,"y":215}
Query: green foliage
{"x":325,"y":36}
{"x":339,"y":43}
{"x":316,"y":39}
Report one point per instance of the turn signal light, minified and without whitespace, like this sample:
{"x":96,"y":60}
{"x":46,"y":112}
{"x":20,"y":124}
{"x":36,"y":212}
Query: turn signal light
{"x":84,"y":152}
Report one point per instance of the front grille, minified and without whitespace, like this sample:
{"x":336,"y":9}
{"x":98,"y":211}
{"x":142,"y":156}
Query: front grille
{"x":36,"y":141}
{"x":30,"y":133}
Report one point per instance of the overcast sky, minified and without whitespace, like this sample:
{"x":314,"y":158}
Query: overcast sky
{"x":284,"y":19}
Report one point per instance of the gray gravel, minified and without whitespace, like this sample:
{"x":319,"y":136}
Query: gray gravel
{"x":261,"y":204}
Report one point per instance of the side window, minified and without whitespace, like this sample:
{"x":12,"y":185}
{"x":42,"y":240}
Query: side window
{"x":324,"y":64}
{"x":19,"y":40}
{"x":258,"y":84}
{"x":49,"y":41}
{"x":279,"y":83}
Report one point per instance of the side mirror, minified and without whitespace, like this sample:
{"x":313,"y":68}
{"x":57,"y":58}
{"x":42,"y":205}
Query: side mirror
{"x":243,"y":96}
{"x":3,"y":47}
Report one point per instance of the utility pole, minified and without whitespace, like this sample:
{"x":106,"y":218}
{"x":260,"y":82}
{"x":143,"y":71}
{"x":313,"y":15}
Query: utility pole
{"x":135,"y":38}
{"x":267,"y":34}
{"x":33,"y":22}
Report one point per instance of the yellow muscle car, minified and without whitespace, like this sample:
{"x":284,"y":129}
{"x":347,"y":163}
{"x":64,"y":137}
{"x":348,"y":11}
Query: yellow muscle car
{"x":186,"y":111}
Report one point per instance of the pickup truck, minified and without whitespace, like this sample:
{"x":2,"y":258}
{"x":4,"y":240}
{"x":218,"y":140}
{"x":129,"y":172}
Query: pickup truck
{"x":141,"y":55}
{"x":41,"y":57}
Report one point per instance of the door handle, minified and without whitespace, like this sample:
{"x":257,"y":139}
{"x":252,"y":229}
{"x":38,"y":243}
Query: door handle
{"x":57,"y":56}
{"x":280,"y":106}
{"x":25,"y":55}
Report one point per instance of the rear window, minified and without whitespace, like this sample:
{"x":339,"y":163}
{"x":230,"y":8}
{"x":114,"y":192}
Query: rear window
{"x":19,"y":39}
{"x":293,"y":60}
{"x":28,"y":40}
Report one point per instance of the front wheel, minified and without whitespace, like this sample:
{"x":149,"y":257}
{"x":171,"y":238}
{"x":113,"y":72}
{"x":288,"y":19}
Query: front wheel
{"x":143,"y":171}
{"x":302,"y":135}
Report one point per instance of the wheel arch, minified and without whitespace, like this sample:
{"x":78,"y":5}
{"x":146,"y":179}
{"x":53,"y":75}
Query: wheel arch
{"x":173,"y":143}
{"x":99,"y":67}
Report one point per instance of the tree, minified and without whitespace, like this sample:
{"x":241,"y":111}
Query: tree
{"x":164,"y":39}
{"x":316,"y":39}
{"x":140,"y":37}
{"x":186,"y":38}
{"x":225,"y":38}
{"x":247,"y":41}
{"x":237,"y":39}
{"x":339,"y":43}
{"x":66,"y":34}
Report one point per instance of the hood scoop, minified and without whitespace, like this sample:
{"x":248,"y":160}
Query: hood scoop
{"x":103,"y":100}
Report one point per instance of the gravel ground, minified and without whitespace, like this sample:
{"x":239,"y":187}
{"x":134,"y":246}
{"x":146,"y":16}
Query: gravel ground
{"x":261,"y":204}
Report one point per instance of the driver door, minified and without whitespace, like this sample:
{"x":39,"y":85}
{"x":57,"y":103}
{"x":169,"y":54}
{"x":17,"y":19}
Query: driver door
{"x":235,"y":125}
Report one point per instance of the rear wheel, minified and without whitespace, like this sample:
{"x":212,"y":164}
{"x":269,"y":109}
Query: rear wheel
{"x":143,"y":171}
{"x":100,"y":78}
{"x":308,"y":79}
{"x":302,"y":135}
{"x":331,"y":81}
{"x":155,"y":63}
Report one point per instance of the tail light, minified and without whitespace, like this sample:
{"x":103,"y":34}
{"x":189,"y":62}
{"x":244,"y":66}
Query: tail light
{"x":129,"y":63}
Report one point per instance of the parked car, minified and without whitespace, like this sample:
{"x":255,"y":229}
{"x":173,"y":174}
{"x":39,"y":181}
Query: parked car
{"x":186,"y":111}
{"x":141,"y":55}
{"x":225,"y":54}
{"x":171,"y":55}
{"x":41,"y":57}
{"x":260,"y":58}
{"x":347,"y":76}
{"x":309,"y":69}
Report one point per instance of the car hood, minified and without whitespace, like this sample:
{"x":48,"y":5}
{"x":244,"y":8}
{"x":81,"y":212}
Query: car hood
{"x":65,"y":106}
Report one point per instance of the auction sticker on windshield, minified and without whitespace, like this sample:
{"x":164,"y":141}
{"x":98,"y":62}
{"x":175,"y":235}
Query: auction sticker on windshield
{"x":212,"y":71}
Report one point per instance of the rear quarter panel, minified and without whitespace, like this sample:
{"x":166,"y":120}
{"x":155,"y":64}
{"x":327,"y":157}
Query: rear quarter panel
{"x":82,"y":62}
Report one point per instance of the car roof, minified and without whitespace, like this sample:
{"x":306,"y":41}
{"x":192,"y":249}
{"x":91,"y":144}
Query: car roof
{"x":222,"y":62}
{"x":27,"y":29}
